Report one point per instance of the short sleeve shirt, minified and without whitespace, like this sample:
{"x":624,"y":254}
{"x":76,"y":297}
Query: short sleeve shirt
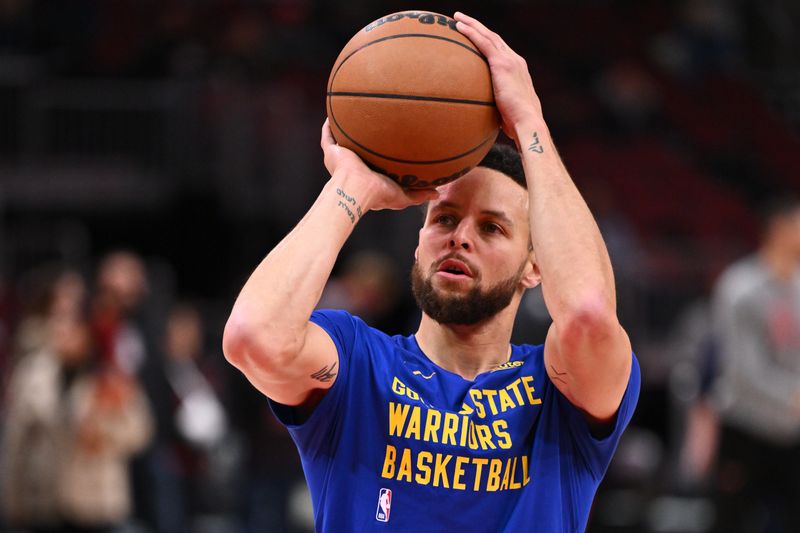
{"x":401,"y":444}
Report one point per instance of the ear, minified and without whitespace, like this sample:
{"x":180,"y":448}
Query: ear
{"x":531,"y":277}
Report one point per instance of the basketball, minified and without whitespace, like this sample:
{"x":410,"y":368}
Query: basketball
{"x":413,"y":98}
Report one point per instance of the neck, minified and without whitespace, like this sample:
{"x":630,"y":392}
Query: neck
{"x":468,"y":350}
{"x":782,"y":264}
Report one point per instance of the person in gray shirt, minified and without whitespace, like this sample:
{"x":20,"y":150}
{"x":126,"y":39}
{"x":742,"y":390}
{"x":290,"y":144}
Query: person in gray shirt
{"x":756,"y":322}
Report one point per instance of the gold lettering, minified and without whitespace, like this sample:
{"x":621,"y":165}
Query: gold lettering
{"x":506,"y":472}
{"x":493,"y":479}
{"x":514,"y":386}
{"x":388,"y":462}
{"x":485,"y":437}
{"x":525,"y":474}
{"x":479,"y":464}
{"x":405,"y":466}
{"x":465,"y":422}
{"x":500,"y":431}
{"x":529,"y":390}
{"x":439,"y":472}
{"x":457,"y":484}
{"x":432,"y":422}
{"x":424,"y":459}
{"x":514,"y":484}
{"x":412,"y":430}
{"x":450,"y":427}
{"x":473,"y":437}
{"x":398,"y":387}
{"x":476,"y":399}
{"x":397,"y":418}
{"x":505,"y":400}
{"x":490,"y":394}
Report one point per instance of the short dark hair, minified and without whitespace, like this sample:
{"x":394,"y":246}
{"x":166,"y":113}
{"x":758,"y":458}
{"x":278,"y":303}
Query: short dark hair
{"x":505,"y":158}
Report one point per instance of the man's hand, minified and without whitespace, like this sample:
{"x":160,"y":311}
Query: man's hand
{"x":375,"y":191}
{"x":514,"y":94}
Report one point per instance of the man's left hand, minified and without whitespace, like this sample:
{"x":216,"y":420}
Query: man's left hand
{"x":514,"y":94}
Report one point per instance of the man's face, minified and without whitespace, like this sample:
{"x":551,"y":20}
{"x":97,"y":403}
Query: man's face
{"x":785,"y":231}
{"x":473,"y":255}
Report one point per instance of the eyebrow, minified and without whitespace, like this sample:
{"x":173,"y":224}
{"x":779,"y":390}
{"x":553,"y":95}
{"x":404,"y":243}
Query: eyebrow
{"x":445,"y":204}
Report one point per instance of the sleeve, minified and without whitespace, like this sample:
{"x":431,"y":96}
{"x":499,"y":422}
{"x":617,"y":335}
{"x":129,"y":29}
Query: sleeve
{"x":316,"y":431}
{"x":597,"y":452}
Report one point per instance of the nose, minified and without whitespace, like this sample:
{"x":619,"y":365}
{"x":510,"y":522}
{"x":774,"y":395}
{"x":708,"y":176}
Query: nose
{"x":461,"y":238}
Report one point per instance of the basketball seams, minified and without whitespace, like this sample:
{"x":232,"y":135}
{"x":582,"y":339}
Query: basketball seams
{"x":407,"y":161}
{"x":411,"y":97}
{"x":386,"y":92}
{"x":398,"y":36}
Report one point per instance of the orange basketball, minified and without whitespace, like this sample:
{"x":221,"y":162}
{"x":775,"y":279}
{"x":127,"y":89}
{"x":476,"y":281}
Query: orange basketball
{"x":413,"y":98}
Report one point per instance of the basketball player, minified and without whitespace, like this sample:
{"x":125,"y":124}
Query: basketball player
{"x":453,"y":428}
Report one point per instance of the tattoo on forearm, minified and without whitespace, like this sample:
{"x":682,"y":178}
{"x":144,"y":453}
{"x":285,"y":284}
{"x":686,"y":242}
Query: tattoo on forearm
{"x":536,"y":146}
{"x":557,"y":376}
{"x":325,"y":374}
{"x":350,"y":206}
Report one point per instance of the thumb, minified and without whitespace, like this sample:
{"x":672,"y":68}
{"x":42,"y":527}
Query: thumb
{"x":418,"y":196}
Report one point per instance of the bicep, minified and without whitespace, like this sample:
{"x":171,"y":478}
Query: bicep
{"x":591,"y":371}
{"x":301,"y":377}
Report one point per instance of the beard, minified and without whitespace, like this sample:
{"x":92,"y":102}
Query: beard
{"x":467,"y":309}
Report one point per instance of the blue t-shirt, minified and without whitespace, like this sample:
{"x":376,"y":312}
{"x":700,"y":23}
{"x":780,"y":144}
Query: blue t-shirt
{"x":400,"y":444}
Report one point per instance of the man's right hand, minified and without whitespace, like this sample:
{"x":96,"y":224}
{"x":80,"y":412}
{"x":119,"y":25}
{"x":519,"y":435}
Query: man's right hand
{"x":376,"y":191}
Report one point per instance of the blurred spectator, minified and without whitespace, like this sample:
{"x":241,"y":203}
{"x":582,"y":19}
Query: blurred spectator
{"x":193,"y":427}
{"x":631,"y":99}
{"x":368,"y":286}
{"x":124,"y":343}
{"x":51,"y":291}
{"x":756,"y":312}
{"x":121,"y":286}
{"x":72,"y":426}
{"x":707,"y":38}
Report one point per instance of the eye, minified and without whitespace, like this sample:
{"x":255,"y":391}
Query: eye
{"x":491,"y":227}
{"x":444,"y":219}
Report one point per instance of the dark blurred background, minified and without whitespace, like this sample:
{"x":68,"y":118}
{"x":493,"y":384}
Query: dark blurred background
{"x":153,"y":152}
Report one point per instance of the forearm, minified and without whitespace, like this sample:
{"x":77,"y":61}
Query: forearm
{"x":278,"y":298}
{"x":576,"y":270}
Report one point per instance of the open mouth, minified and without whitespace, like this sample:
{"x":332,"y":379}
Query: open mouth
{"x":454,"y":268}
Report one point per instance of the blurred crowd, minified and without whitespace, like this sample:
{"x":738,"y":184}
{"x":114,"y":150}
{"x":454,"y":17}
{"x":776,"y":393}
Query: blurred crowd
{"x":118,"y":410}
{"x":112,"y":421}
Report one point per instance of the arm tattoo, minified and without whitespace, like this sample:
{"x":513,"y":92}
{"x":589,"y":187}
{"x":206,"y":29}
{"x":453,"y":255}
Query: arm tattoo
{"x":325,"y":374}
{"x":535,"y":146}
{"x":350,"y":206}
{"x":556,"y":375}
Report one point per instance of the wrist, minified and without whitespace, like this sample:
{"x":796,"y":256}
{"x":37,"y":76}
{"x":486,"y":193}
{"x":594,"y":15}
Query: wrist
{"x":524,"y":132}
{"x":350,"y":193}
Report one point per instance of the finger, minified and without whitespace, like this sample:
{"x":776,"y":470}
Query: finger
{"x":481,"y":29}
{"x":326,"y":139}
{"x":419,"y":196}
{"x":480,"y":41}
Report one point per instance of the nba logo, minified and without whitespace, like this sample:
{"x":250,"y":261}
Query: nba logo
{"x":384,"y":505}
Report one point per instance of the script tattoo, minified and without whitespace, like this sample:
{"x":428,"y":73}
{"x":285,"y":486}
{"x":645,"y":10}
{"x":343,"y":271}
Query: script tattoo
{"x":325,"y":374}
{"x":348,"y":203}
{"x":535,"y":146}
{"x":555,"y":376}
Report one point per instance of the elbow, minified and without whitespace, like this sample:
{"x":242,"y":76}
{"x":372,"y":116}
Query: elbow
{"x":234,"y":341}
{"x":244,"y":345}
{"x":592,"y":321}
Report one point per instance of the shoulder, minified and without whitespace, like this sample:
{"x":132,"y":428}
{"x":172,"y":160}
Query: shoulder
{"x":349,"y":331}
{"x":740,"y":279}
